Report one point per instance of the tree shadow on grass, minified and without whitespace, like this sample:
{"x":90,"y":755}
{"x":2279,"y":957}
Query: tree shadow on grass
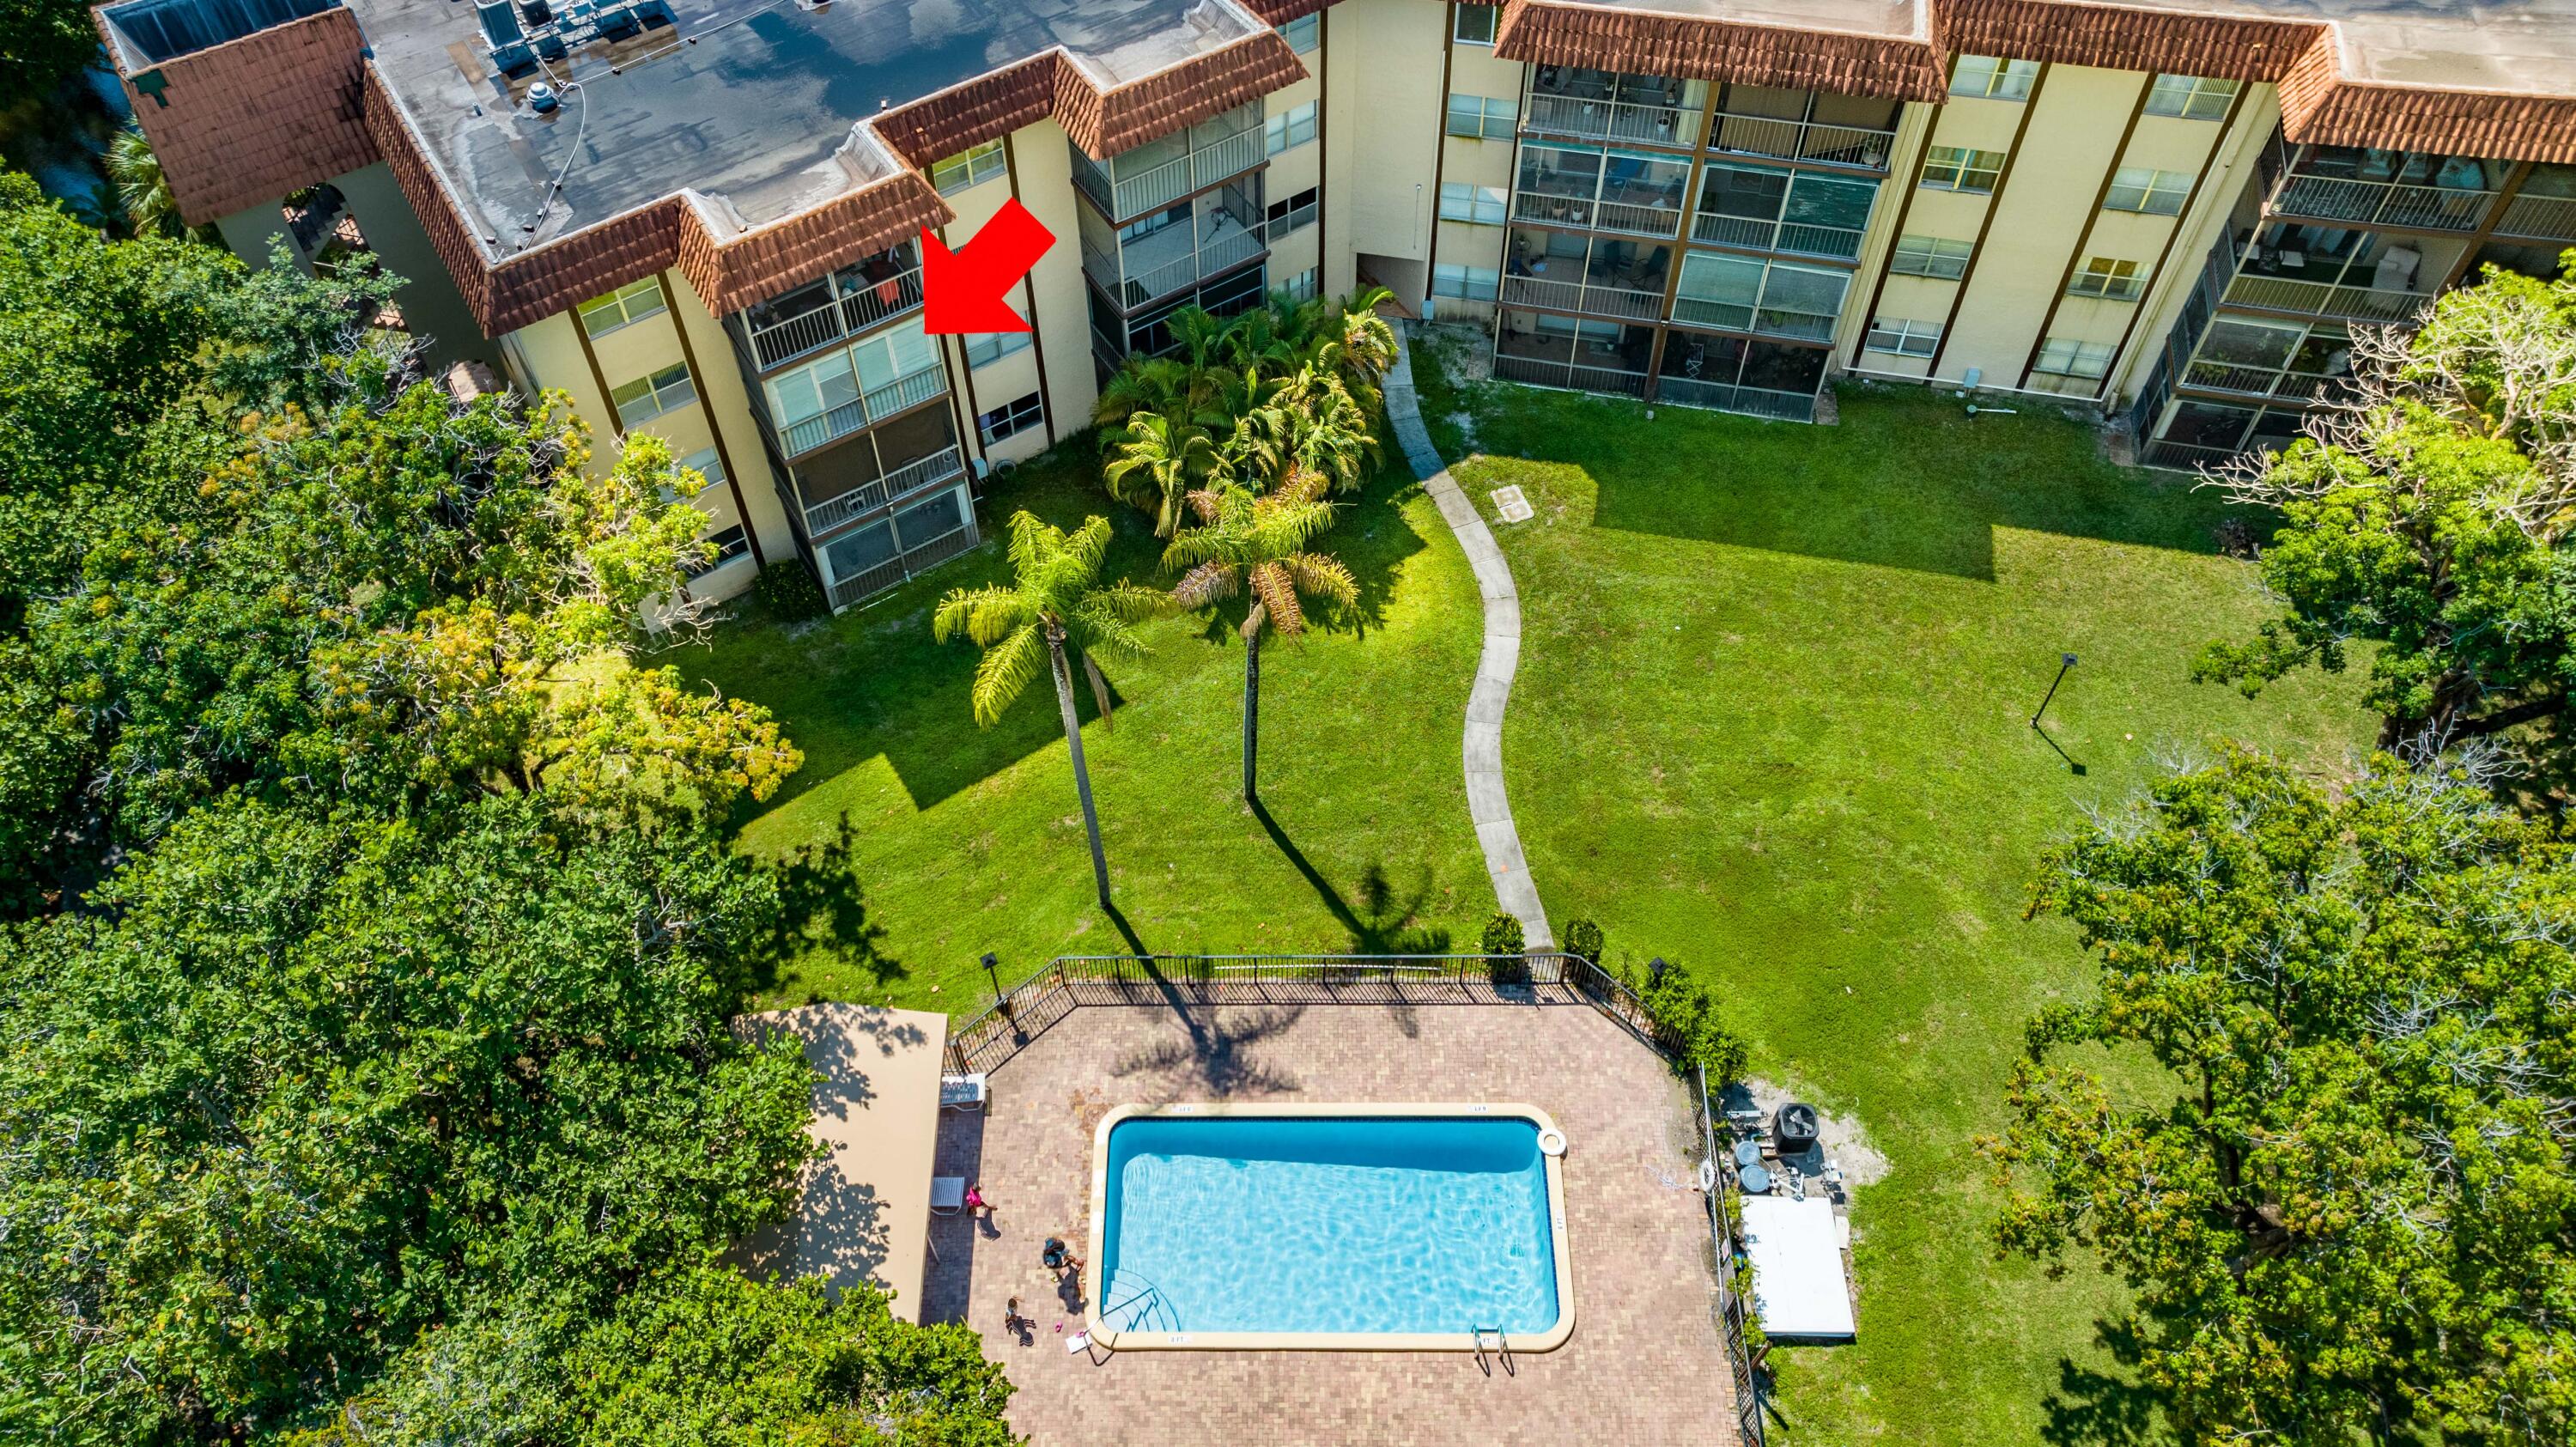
{"x":822,"y":917}
{"x":2105,"y":1409}
{"x":1905,"y":481}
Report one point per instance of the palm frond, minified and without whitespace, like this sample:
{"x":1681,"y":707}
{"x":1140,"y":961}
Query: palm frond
{"x":1206,"y":584}
{"x":1003,"y":673}
{"x":1278,"y":595}
{"x":982,"y":614}
{"x":1321,"y":575}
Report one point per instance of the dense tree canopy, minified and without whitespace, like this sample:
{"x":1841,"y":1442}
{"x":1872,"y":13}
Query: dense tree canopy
{"x":2433,"y":520}
{"x":2320,"y":1115}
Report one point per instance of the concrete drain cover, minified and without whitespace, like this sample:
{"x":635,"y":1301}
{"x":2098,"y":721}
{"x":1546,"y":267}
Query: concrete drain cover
{"x":1514,"y":508}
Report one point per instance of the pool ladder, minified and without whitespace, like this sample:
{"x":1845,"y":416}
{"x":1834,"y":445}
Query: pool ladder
{"x":1502,"y":1351}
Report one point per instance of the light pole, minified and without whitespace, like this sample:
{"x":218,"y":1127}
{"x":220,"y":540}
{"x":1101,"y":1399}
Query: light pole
{"x":2069,"y":662}
{"x":993,"y":972}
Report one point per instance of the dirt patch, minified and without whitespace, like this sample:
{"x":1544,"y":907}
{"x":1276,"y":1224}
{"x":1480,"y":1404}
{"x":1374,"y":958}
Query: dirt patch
{"x":1839,"y":1138}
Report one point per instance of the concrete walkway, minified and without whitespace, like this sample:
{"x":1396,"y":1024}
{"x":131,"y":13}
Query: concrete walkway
{"x":1486,"y":802}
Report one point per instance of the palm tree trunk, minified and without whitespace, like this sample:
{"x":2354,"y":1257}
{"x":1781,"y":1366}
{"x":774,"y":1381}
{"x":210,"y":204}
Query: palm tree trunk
{"x":1251,"y":697}
{"x":1081,"y":770}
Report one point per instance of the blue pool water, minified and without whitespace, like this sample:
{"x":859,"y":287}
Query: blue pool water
{"x":1327,"y":1224}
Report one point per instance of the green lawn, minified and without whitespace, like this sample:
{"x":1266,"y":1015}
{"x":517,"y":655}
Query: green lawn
{"x":964,"y":840}
{"x":1771,"y":722}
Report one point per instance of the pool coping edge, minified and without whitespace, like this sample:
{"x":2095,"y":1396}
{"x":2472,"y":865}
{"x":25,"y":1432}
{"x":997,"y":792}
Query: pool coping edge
{"x":1112,"y":1340}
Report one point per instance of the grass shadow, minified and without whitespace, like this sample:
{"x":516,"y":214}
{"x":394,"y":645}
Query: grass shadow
{"x":823,"y":915}
{"x":2104,"y":1409}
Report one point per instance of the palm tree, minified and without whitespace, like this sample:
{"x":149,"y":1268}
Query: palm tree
{"x":1258,"y":541}
{"x":1356,"y":344}
{"x":1321,"y":431}
{"x":1156,"y":463}
{"x":1057,"y":599}
{"x":1143,"y":384}
{"x":141,"y":187}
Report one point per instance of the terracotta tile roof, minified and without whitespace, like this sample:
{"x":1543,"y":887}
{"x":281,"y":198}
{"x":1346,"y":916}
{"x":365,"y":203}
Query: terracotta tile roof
{"x":250,"y":120}
{"x":2320,"y":106}
{"x":733,"y":272}
{"x":2226,"y":46}
{"x":1663,"y":43}
{"x":1106,"y":122}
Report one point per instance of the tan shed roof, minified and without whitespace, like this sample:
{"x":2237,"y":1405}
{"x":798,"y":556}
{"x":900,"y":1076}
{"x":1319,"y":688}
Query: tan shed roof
{"x":864,"y":1211}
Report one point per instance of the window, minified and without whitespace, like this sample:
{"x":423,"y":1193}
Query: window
{"x":604,"y":314}
{"x":730,"y":544}
{"x":2142,"y":188}
{"x":1290,"y":129}
{"x":1303,"y":33}
{"x":2062,"y":357}
{"x":2192,"y":97}
{"x":646,"y":398}
{"x":1303,"y":286}
{"x":1992,"y":77}
{"x":1743,"y":294}
{"x":1485,"y":117}
{"x":1468,"y":283}
{"x":1476,"y":24}
{"x":1903,"y":338}
{"x":2110,"y":279}
{"x":1010,"y":419}
{"x":1481,"y":205}
{"x":1931,"y":256}
{"x":969,"y":168}
{"x":1289,"y":215}
{"x":983,"y":349}
{"x":705,"y":464}
{"x":1953,"y":168}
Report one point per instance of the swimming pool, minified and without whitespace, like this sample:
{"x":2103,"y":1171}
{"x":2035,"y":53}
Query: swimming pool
{"x":1329,"y":1227}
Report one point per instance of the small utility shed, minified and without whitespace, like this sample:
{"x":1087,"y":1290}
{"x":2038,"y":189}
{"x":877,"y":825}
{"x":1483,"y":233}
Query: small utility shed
{"x":864,"y":1209}
{"x":1797,"y":1255}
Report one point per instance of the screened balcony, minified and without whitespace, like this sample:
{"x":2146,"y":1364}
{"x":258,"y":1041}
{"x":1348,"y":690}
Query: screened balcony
{"x":2205,"y":434}
{"x":1633,"y":193}
{"x":2366,"y":186}
{"x":846,"y":303}
{"x":1597,"y":274}
{"x":2334,"y":271}
{"x":1772,"y":208}
{"x":1588,"y":356}
{"x":2305,"y":362}
{"x":1164,"y":170}
{"x":876,"y":469}
{"x":1804,"y":125}
{"x":2545,"y":207}
{"x":818,"y":402}
{"x":1174,"y":249}
{"x":876,"y":555}
{"x":1738,"y":374}
{"x":1607,"y":105}
{"x":1747,"y":294}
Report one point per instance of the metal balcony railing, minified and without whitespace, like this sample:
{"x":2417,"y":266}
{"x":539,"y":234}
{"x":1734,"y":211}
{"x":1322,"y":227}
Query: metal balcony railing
{"x":2549,"y":217}
{"x":1129,"y":197}
{"x":801,"y":437}
{"x":1864,"y":147}
{"x":1604,"y":120}
{"x":2183,"y":456}
{"x":834,"y":513}
{"x":781,"y":342}
{"x":1580,"y":296}
{"x":1542,"y":372}
{"x":913,"y":561}
{"x":1728,"y":397}
{"x":1624,"y":218}
{"x":1758,"y":234}
{"x":2322,"y":299}
{"x":2256,"y":381}
{"x":2381,"y":203}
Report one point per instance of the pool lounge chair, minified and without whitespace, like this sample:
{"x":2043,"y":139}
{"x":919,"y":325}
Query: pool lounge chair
{"x":947,"y":1195}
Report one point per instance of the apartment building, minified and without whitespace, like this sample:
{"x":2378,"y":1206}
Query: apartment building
{"x":700,"y":217}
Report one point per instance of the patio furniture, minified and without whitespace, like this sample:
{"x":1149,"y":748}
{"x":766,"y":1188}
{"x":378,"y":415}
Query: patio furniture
{"x":963,"y":1092}
{"x":947,"y":1195}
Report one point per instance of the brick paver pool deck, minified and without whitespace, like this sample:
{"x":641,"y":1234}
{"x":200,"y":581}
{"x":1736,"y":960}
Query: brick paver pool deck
{"x":1645,"y":1364}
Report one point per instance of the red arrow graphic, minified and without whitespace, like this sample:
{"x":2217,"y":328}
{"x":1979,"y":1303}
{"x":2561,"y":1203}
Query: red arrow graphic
{"x":961,"y":291}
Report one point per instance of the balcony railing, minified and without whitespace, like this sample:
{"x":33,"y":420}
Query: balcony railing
{"x":2550,"y":217}
{"x":1862,"y":146}
{"x":2183,"y":456}
{"x":911,"y":562}
{"x":1616,"y":216}
{"x":1134,"y":289}
{"x":2321,"y":299}
{"x":2256,"y":381}
{"x":833,"y":513}
{"x":1132,"y":196}
{"x":2381,"y":203}
{"x":1727,"y":397}
{"x":782,"y":342}
{"x":1739,"y":317}
{"x":1756,"y":234}
{"x":1540,"y":372}
{"x":1603,"y":120}
{"x":799,"y":438}
{"x":1576,"y":296}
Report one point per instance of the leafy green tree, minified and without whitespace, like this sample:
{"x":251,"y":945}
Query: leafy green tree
{"x":2317,"y":1117}
{"x":1263,"y":543}
{"x":1056,"y":603}
{"x":42,"y":44}
{"x":142,"y":188}
{"x":301,"y":1088}
{"x":1688,"y":1019}
{"x":1157,"y":461}
{"x":2433,"y":521}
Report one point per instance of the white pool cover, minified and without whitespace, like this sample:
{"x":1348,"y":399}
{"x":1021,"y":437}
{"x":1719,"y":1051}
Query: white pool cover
{"x":1797,"y":1268}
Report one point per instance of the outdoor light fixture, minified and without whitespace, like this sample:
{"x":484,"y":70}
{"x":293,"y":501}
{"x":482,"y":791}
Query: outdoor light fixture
{"x":2067,"y":662}
{"x":1655,"y":969}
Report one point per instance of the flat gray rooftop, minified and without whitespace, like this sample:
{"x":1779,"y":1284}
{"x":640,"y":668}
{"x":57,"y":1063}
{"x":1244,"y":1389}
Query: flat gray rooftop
{"x":2520,"y":47}
{"x":751,"y":103}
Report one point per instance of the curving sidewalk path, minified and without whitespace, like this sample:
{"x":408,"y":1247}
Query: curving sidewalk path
{"x":1486,"y":802}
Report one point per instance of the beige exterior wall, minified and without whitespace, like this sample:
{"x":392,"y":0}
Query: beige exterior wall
{"x":1381,"y":140}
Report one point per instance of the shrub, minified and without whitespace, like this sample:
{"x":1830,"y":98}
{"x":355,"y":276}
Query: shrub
{"x":1687,"y":1017}
{"x":788,"y":590}
{"x":1502,"y":945}
{"x":1583,"y":937}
